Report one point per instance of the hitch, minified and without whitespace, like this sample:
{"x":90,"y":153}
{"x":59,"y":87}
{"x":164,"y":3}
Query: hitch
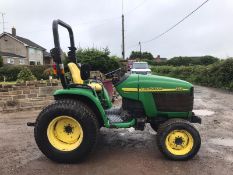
{"x":32,"y":124}
{"x":195,"y":119}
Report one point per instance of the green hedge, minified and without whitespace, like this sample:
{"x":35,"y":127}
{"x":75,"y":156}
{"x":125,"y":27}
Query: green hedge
{"x":219,"y":74}
{"x":11,"y":72}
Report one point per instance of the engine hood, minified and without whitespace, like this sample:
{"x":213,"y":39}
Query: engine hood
{"x":152,"y":83}
{"x":162,"y":83}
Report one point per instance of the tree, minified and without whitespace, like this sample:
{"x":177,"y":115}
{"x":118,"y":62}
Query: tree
{"x":138,"y":55}
{"x":98,"y":59}
{"x":186,"y":61}
{"x":179,"y":61}
{"x":1,"y":61}
{"x":147,"y":56}
{"x":135,"y":55}
{"x":207,"y":60}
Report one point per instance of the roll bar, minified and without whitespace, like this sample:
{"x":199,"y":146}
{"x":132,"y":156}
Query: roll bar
{"x":56,"y":51}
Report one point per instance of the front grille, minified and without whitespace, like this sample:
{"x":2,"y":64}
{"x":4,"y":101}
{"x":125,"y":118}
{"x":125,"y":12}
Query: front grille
{"x":174,"y":102}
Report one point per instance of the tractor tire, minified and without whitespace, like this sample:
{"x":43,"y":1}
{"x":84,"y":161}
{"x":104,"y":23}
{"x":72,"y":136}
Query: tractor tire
{"x":177,"y":139}
{"x":66,"y":131}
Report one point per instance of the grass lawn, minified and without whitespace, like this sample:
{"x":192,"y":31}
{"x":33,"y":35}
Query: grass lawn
{"x":10,"y":82}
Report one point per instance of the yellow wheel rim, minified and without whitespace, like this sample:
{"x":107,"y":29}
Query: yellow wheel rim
{"x":65,"y":133}
{"x":179,"y":142}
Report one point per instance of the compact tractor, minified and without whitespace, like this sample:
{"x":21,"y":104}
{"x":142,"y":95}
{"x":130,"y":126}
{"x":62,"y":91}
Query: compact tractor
{"x":67,"y":130}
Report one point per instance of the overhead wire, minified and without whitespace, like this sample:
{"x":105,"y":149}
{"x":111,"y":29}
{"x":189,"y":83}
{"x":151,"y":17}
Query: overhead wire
{"x":173,"y":26}
{"x":106,"y":20}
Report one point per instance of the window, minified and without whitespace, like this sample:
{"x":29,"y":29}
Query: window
{"x":38,"y":62}
{"x":140,"y":65}
{"x":21,"y":61}
{"x":10,"y":61}
{"x":32,"y":63}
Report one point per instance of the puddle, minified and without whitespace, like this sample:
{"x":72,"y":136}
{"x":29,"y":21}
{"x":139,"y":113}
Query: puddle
{"x":203,"y":112}
{"x":212,"y":150}
{"x":223,"y":142}
{"x":229,"y":158}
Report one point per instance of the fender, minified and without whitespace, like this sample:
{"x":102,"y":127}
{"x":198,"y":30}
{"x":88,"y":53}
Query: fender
{"x":86,"y":93}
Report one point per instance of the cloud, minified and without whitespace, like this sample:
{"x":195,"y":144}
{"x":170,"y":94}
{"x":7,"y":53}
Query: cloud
{"x":98,"y":23}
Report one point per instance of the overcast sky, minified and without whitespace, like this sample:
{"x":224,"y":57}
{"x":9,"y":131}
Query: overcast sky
{"x":98,"y":23}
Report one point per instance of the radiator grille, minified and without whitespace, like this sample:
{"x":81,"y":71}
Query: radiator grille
{"x":174,"y":102}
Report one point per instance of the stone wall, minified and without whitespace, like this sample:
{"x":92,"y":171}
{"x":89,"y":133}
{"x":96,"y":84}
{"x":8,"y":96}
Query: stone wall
{"x":30,"y":95}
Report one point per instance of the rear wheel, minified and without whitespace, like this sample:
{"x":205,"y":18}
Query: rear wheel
{"x":177,"y":139}
{"x":66,"y":131}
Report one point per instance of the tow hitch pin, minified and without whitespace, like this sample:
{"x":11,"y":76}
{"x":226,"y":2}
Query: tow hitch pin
{"x":31,"y":124}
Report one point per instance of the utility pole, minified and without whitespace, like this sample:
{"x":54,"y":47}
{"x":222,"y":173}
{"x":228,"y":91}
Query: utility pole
{"x":123,"y":30}
{"x":140,"y":48}
{"x":123,"y":37}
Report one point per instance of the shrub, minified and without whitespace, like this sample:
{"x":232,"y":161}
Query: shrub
{"x":39,"y":71}
{"x":48,"y":72}
{"x":25,"y":75}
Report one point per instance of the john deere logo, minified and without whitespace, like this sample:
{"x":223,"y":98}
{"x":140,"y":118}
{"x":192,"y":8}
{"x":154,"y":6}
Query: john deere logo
{"x":154,"y":89}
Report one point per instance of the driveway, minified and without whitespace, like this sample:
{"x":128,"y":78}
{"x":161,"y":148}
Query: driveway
{"x":126,"y":151}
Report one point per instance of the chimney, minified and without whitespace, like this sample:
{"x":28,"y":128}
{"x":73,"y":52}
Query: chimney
{"x":13,"y":31}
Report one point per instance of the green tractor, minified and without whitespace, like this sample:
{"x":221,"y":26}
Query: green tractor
{"x":67,"y":130}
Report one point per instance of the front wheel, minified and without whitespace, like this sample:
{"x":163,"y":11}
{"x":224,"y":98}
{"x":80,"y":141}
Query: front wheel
{"x":177,"y":139}
{"x":66,"y":131}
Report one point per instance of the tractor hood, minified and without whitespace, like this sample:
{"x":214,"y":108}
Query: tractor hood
{"x":152,"y":83}
{"x":162,"y":83}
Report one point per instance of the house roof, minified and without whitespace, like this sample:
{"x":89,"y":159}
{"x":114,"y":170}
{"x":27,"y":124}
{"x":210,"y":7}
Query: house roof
{"x":46,"y":54}
{"x":25,"y":41}
{"x":10,"y":55}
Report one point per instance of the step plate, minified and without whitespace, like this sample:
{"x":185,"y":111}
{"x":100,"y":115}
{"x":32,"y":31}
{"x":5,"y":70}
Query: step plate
{"x":113,"y":111}
{"x":115,"y":118}
{"x":117,"y":115}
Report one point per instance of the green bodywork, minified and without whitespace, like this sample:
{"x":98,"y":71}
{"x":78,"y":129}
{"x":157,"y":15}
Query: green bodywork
{"x":135,"y":87}
{"x":146,"y":85}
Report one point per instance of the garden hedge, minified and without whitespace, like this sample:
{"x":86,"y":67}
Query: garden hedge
{"x":219,"y":74}
{"x":11,"y":72}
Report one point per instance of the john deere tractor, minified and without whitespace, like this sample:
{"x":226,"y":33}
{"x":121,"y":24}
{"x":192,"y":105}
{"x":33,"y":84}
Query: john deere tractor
{"x":67,"y":130}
